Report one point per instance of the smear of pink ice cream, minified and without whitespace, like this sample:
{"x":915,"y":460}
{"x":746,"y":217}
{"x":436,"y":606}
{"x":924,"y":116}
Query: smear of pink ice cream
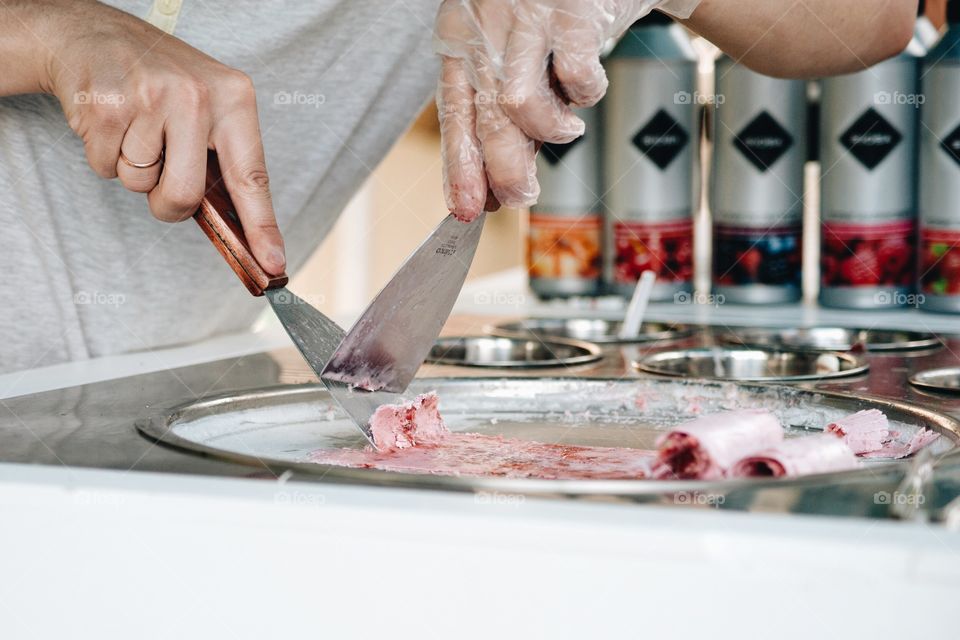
{"x":412,"y":438}
{"x":868,"y":434}
{"x":864,"y":431}
{"x":401,"y":426}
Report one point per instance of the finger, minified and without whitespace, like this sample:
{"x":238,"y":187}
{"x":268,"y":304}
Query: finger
{"x":508,"y":155}
{"x":142,"y":144}
{"x":237,"y":141}
{"x":525,"y":92}
{"x":576,"y":58}
{"x":455,"y":29}
{"x":464,"y":180}
{"x":182,"y":179}
{"x":102,"y":127}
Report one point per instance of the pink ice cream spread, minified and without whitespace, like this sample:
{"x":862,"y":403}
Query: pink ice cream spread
{"x":401,"y":426}
{"x":798,"y":456}
{"x":897,"y":449}
{"x":863,"y":431}
{"x":707,"y":448}
{"x":412,"y":438}
{"x":868,"y":434}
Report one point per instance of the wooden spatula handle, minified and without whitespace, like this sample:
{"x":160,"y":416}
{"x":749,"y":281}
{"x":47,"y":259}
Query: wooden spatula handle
{"x":218,"y":218}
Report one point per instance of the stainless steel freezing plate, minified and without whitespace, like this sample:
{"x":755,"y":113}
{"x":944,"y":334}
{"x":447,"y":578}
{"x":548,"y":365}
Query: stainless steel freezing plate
{"x":753,"y":365}
{"x":280,"y":426}
{"x":502,"y":353}
{"x":830,"y":338}
{"x":589,"y":329}
{"x":943,"y":380}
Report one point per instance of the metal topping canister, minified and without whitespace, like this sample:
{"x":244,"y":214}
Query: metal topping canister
{"x":756,"y":192}
{"x":868,"y":180}
{"x":939,"y":276}
{"x":650,"y":151}
{"x":564,"y":241}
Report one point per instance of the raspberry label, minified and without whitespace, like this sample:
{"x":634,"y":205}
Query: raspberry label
{"x":743,"y":256}
{"x":868,"y":255}
{"x":564,"y":246}
{"x":666,"y":248}
{"x":940,"y":261}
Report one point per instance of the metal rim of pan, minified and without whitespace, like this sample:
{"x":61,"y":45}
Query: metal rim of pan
{"x":926,"y":380}
{"x":754,"y":337}
{"x":588,"y":353}
{"x":526,"y":327}
{"x":648,"y":364}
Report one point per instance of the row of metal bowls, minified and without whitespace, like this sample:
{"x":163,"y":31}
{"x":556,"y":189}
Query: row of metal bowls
{"x":745,"y":354}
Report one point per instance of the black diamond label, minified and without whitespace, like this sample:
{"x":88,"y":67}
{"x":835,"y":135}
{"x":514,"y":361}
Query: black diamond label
{"x":553,"y":153}
{"x":951,"y":144}
{"x":870,"y":139}
{"x":763,"y":141}
{"x":661,"y":139}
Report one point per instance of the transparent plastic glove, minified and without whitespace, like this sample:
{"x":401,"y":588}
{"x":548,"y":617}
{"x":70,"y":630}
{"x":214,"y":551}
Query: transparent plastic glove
{"x":511,"y":69}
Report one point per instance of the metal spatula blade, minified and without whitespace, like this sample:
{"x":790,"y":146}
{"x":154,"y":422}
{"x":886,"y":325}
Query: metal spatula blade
{"x":387,"y":345}
{"x":390,"y":341}
{"x":315,"y":335}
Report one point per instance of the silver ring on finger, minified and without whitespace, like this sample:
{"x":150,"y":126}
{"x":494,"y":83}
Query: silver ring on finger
{"x":140,"y":165}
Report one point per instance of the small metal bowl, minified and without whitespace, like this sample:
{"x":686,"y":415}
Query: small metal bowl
{"x":940,"y":380}
{"x":829,"y":338}
{"x":497,"y":352}
{"x":753,"y":365}
{"x":590,"y":329}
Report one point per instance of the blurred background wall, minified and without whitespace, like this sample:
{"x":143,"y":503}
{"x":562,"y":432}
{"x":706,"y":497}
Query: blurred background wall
{"x":389,"y":217}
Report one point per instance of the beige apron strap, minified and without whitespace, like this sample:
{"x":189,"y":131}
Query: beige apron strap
{"x":164,"y":13}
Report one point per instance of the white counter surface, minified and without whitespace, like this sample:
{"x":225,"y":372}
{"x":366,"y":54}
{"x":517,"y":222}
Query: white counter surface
{"x":99,"y":553}
{"x":147,"y":556}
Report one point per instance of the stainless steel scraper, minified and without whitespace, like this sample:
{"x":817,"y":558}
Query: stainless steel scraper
{"x":383,"y":350}
{"x":314,"y":334}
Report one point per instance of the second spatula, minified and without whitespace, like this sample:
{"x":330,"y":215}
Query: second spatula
{"x":315,"y":335}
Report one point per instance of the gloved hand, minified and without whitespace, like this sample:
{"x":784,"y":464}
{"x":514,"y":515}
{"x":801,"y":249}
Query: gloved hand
{"x":509,"y":67}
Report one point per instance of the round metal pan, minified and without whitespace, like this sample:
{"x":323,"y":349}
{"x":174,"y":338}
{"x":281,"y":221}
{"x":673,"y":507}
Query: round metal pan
{"x":504,"y":353}
{"x":589,"y":329}
{"x":753,"y":365}
{"x":829,"y":338}
{"x":945,"y":380}
{"x":279,"y":427}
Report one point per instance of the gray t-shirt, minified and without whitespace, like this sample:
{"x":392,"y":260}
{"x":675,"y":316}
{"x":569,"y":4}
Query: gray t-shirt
{"x":87,"y":271}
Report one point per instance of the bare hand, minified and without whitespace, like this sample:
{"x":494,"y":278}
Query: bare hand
{"x":128,"y":88}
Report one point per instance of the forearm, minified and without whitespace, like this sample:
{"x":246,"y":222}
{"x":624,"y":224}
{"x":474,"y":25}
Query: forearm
{"x":26,"y":45}
{"x":787,"y":38}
